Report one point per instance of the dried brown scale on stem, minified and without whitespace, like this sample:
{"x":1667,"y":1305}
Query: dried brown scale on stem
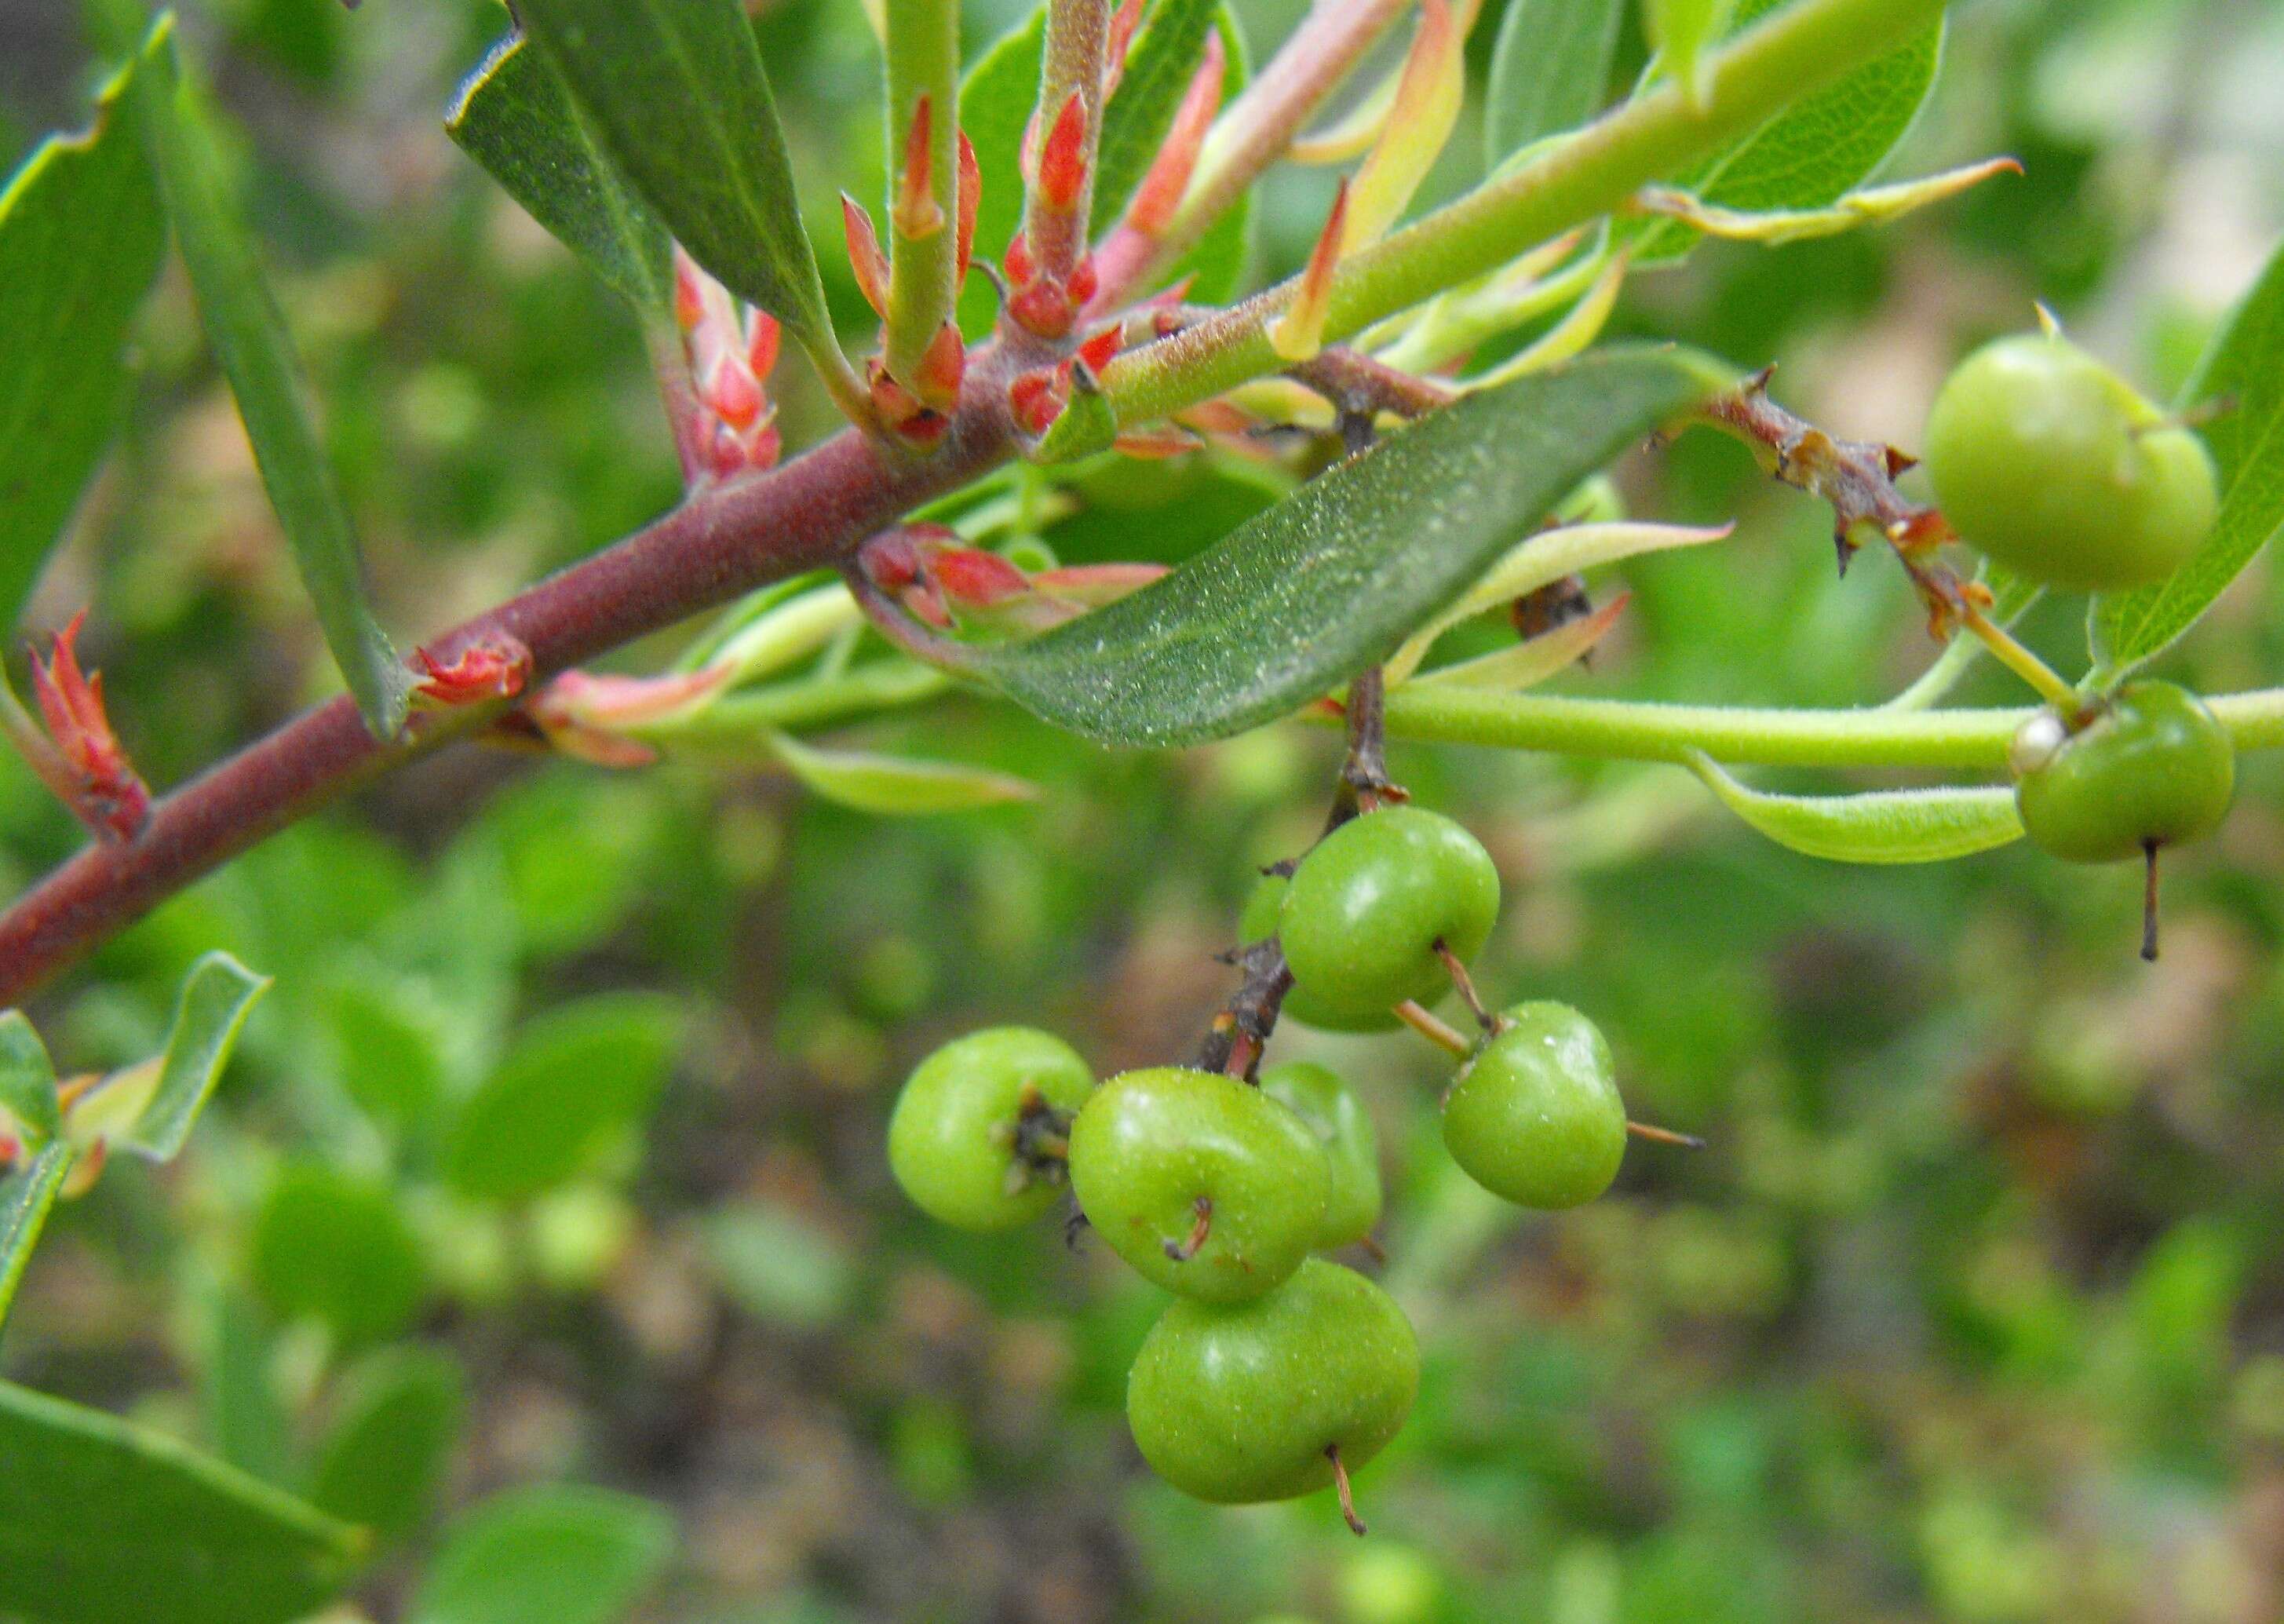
{"x":1234,"y":1043}
{"x":1858,"y":478}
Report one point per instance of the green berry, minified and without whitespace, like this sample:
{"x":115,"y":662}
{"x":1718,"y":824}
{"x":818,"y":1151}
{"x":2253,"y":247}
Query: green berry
{"x":975,"y":1139}
{"x":1263,"y":911}
{"x":1367,"y":906}
{"x":1343,"y":1127}
{"x":2153,"y":768}
{"x":2049,"y":463}
{"x":1242,"y":1402}
{"x":1534,"y":1117}
{"x":1201,"y":1182}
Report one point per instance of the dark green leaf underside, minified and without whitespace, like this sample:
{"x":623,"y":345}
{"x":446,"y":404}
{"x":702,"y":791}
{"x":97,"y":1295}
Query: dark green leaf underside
{"x":675,"y":90}
{"x":81,"y":241}
{"x":249,"y":336}
{"x":1298,"y":600}
{"x":515,"y":118}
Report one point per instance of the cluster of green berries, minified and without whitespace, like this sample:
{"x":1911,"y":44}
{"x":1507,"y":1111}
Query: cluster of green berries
{"x":2058,"y":469}
{"x":1275,"y":1370}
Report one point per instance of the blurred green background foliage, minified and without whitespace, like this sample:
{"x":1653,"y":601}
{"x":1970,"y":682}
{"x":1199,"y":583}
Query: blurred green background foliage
{"x":555,"y":1154}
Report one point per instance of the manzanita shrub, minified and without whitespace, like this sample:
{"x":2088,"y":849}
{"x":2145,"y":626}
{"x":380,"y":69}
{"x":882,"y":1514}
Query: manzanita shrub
{"x":1059,"y":267}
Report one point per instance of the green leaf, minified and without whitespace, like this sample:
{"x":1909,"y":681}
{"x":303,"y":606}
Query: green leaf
{"x":2245,"y":364}
{"x":557,"y":1555}
{"x":28,"y":1081}
{"x":383,"y":1464}
{"x":575,"y":1079}
{"x":1158,"y":66}
{"x":1881,"y":826}
{"x":675,"y":91}
{"x":1813,"y":152}
{"x":1550,"y":70}
{"x":332,"y":1246}
{"x":245,"y":1412}
{"x":516,"y":118}
{"x":897,"y":785}
{"x":1002,"y":86}
{"x":1681,"y":32}
{"x":1298,"y":601}
{"x":81,"y":242}
{"x":250,"y":339}
{"x":25,"y":1195}
{"x":103,"y":1523}
{"x":217,"y":996}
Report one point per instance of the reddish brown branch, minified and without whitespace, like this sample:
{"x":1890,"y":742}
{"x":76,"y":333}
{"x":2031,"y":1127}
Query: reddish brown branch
{"x":810,"y":514}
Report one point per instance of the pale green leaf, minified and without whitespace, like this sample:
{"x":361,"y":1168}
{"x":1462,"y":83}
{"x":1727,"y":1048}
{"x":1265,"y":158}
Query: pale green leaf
{"x":250,"y":339}
{"x":26,"y":1195}
{"x":675,"y":90}
{"x":1813,"y":152}
{"x":1880,"y":826}
{"x":332,"y":1247}
{"x":1550,"y":70}
{"x":2244,"y":367}
{"x":551,"y":1555}
{"x":1298,"y":600}
{"x":215,"y":997}
{"x":81,"y":239}
{"x":104,"y":1522}
{"x":1682,"y":32}
{"x":28,"y":1081}
{"x":897,"y":785}
{"x":516,"y":118}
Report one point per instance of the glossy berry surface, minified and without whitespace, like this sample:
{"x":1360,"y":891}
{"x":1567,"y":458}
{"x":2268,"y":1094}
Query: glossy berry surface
{"x":1317,"y":1095}
{"x":2052,"y":465}
{"x":1536,"y":1117}
{"x":1263,"y":911}
{"x":2154,"y":768}
{"x":970,"y":1140}
{"x":1366,"y":907}
{"x":1239,"y":1403}
{"x":1201,"y":1182}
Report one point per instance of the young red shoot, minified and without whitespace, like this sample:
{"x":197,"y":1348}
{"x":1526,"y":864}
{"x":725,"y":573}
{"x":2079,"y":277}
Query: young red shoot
{"x":109,"y":797}
{"x":492,"y":667}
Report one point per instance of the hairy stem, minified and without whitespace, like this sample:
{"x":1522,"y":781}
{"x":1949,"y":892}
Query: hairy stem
{"x":1959,"y":740}
{"x":922,"y":48}
{"x":1078,"y":36}
{"x":1800,"y":50}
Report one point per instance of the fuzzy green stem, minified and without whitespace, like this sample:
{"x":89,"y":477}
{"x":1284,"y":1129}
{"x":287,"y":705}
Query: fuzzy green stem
{"x":922,"y":47}
{"x":1956,"y":740}
{"x":1078,"y":38}
{"x":1795,"y":53}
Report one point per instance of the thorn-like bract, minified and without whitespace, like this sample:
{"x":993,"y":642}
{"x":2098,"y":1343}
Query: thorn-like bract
{"x":1299,"y":333}
{"x":917,"y":215}
{"x":1168,"y":177}
{"x":1062,"y":158}
{"x":493,"y":668}
{"x":971,"y":198}
{"x":109,"y":797}
{"x":866,"y":259}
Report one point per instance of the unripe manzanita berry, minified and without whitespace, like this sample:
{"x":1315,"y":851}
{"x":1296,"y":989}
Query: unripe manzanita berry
{"x":977,"y":1137}
{"x":1535,"y":1118}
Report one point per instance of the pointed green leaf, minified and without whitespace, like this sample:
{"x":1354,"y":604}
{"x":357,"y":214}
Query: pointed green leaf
{"x":1881,"y":826}
{"x":573,"y":1079}
{"x":1813,"y":152}
{"x":250,"y":339}
{"x":1296,"y":601}
{"x":104,"y":1522}
{"x":897,"y":785}
{"x":555,"y":1554}
{"x":383,"y":1461}
{"x":26,"y":1195}
{"x":216,"y":996}
{"x":81,"y":241}
{"x":675,"y":92}
{"x":516,"y":118}
{"x":1164,"y":58}
{"x":1550,"y":70}
{"x":2245,"y":366}
{"x":28,"y":1081}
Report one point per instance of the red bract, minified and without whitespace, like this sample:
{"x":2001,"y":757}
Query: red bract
{"x":1037,"y":399}
{"x":1062,"y":158}
{"x":493,"y":668}
{"x":942,"y":367}
{"x":971,"y":197}
{"x":973,"y":577}
{"x":917,"y":213}
{"x":866,"y":259}
{"x":109,"y":798}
